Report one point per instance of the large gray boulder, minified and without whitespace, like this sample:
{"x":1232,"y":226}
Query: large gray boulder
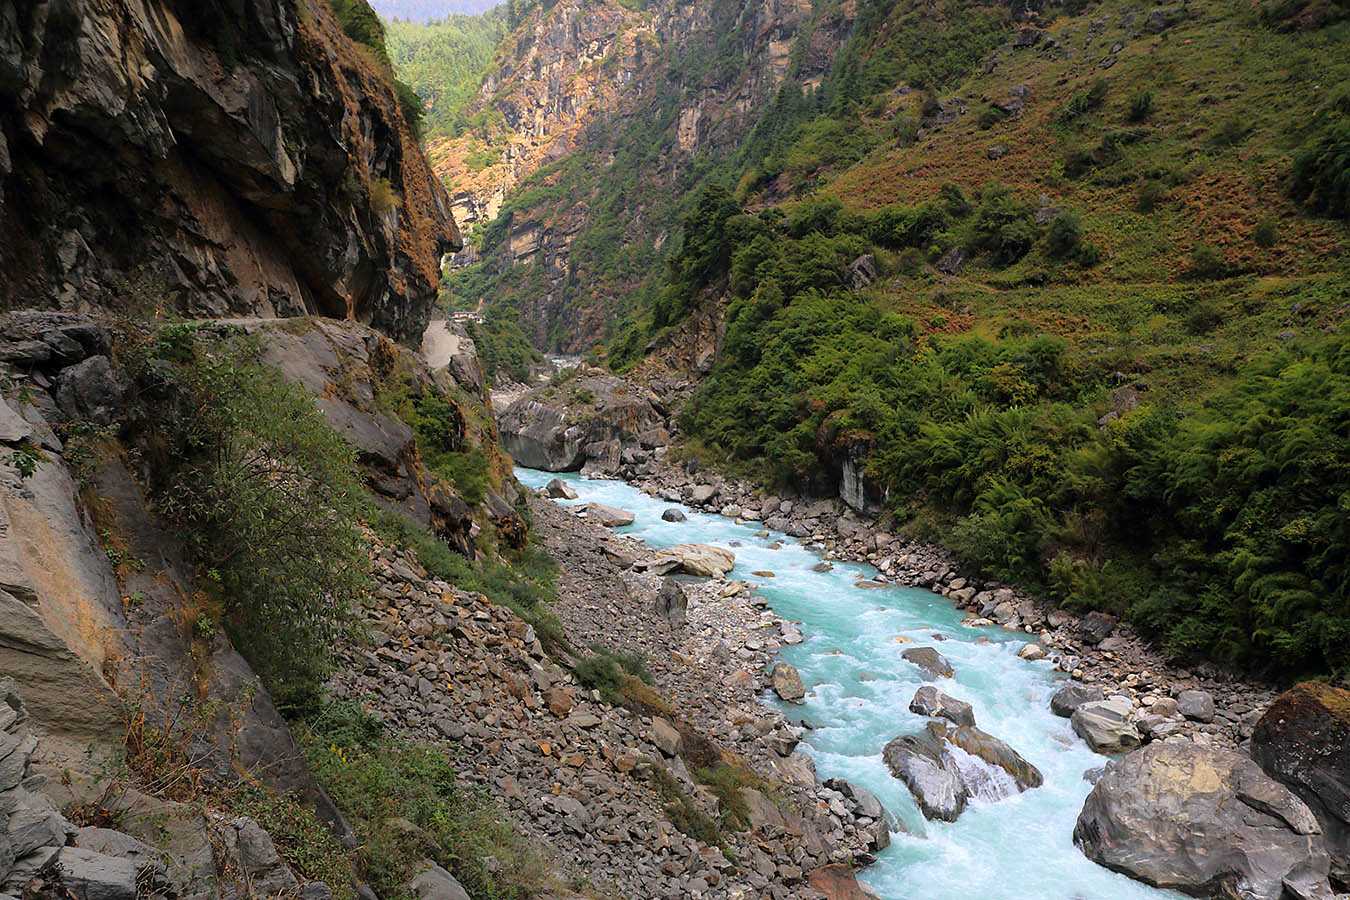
{"x":694,"y":559}
{"x":941,"y":784}
{"x":933,"y":663}
{"x":608,"y":516}
{"x":557,"y":489}
{"x":785,"y":681}
{"x":672,"y":604}
{"x":435,"y":883}
{"x":1198,"y":706}
{"x":1072,"y":696}
{"x":592,"y":420}
{"x":929,"y":701}
{"x":1206,"y":822}
{"x":1303,"y":741}
{"x":541,"y":437}
{"x":93,"y":876}
{"x":1106,"y":726}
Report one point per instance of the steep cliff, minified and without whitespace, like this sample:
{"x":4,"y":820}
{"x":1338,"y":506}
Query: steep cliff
{"x":213,"y":159}
{"x":593,"y":126}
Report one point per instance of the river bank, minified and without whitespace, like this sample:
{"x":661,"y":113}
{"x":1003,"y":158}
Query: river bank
{"x":1091,"y":648}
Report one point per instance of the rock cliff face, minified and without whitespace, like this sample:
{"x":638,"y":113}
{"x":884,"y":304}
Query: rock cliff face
{"x":625,"y":102}
{"x":220,"y":158}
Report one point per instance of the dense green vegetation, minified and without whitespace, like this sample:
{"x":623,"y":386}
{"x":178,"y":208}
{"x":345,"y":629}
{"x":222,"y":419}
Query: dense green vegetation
{"x":443,"y":61}
{"x":502,"y":345}
{"x":1218,"y":524}
{"x":266,"y":497}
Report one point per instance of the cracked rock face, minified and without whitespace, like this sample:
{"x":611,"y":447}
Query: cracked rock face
{"x":1206,"y":822}
{"x":144,"y":166}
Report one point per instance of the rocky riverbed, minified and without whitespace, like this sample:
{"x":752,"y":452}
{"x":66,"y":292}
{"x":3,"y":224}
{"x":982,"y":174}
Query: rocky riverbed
{"x":584,"y":776}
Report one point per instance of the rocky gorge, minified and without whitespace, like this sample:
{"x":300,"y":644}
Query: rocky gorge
{"x":1118,"y":693}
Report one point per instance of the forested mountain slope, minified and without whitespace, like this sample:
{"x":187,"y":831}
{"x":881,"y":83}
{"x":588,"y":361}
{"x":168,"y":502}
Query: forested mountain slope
{"x":1062,"y":287}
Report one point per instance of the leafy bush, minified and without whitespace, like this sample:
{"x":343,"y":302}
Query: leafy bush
{"x":267,"y":498}
{"x":1005,"y":227}
{"x":1140,"y":107}
{"x":1322,"y":167}
{"x":609,"y":672}
{"x":1207,"y":261}
{"x":1064,"y":237}
{"x":1150,"y":194}
{"x":1265,"y":233}
{"x":382,"y":196}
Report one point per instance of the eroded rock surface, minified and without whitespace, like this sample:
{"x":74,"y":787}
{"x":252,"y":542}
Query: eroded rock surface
{"x":1206,"y":822}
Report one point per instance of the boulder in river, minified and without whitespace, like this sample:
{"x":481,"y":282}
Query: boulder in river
{"x":1301,"y":741}
{"x":1105,"y":725}
{"x":945,"y":766}
{"x":786,"y":682}
{"x":557,"y":489}
{"x":1072,"y":696}
{"x":929,"y":701}
{"x":694,"y":559}
{"x":1204,"y":821}
{"x":929,"y":660}
{"x":673,"y":515}
{"x":609,"y":516}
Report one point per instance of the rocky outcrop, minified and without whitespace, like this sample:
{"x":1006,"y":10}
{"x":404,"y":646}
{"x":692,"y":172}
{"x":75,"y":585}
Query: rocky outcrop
{"x":932,"y":663}
{"x":246,"y":159}
{"x":591,"y":420}
{"x":929,"y":701}
{"x":945,"y":767}
{"x":1205,"y":822}
{"x":1303,"y":741}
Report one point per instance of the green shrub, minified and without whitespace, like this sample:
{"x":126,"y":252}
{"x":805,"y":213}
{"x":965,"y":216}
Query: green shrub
{"x":1005,"y":227}
{"x":1064,"y":237}
{"x":1140,"y":107}
{"x":1207,"y":261}
{"x":1150,"y":194}
{"x":266,"y":497}
{"x":1265,"y":233}
{"x":379,"y":782}
{"x":608,"y":672}
{"x":1321,"y":176}
{"x":382,"y":195}
{"x":990,"y":116}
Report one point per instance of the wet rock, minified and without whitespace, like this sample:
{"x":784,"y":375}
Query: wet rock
{"x":1198,"y":706}
{"x":941,"y":784}
{"x":837,"y":882}
{"x":557,"y":489}
{"x":1199,"y":820}
{"x":673,"y":515}
{"x":1106,"y":725}
{"x":929,"y":701}
{"x":1301,"y":741}
{"x":786,"y":683}
{"x":609,"y":516}
{"x":933,"y":663}
{"x":1072,"y":696}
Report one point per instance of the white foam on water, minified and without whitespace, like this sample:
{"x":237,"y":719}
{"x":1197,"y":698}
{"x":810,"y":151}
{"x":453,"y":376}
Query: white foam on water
{"x":858,"y":693}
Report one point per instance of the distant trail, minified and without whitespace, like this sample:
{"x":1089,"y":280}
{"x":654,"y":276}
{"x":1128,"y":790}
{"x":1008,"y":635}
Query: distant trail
{"x":439,"y":343}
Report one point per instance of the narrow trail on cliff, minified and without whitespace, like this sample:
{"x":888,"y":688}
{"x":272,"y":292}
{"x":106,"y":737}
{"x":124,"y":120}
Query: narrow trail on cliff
{"x":858,"y":694}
